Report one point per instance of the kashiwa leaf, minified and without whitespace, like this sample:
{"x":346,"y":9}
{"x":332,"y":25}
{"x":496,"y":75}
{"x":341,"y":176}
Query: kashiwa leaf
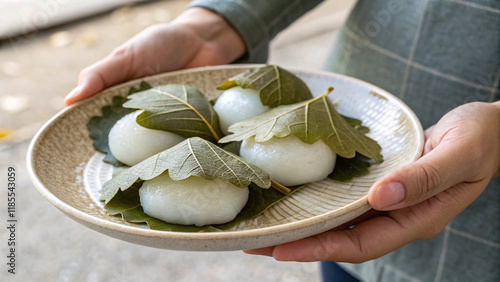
{"x":192,"y":157}
{"x":259,"y":200}
{"x":356,"y":124}
{"x":124,"y":200}
{"x":99,"y":127}
{"x":176,"y":108}
{"x":276,"y":85}
{"x":233,"y":147}
{"x":347,"y":169}
{"x":143,"y":86}
{"x":310,"y":121}
{"x":127,"y":205}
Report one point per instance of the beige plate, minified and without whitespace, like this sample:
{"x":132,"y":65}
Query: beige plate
{"x":66,"y":169}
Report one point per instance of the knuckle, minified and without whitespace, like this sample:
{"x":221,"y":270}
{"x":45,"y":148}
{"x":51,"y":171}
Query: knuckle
{"x":428,"y":226}
{"x":427,"y":179}
{"x":153,"y":28}
{"x":325,"y":246}
{"x":119,"y":51}
{"x":84,"y":73}
{"x":320,"y":251}
{"x":123,"y":50}
{"x":431,"y":231}
{"x":357,"y":242}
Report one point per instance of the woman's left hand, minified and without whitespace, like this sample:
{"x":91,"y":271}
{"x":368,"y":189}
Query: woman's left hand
{"x":461,"y":155}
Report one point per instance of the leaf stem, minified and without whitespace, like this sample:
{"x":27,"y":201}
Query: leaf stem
{"x":280,"y":188}
{"x":324,"y":95}
{"x":328,"y":90}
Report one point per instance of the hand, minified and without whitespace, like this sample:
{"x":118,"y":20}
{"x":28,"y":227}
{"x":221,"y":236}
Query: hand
{"x":461,"y":156}
{"x":198,"y":37}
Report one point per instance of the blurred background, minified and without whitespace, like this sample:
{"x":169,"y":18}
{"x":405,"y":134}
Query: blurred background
{"x":43,"y":46}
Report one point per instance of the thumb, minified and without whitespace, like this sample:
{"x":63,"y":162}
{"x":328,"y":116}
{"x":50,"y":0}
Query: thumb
{"x":436,"y":171}
{"x":112,"y":70}
{"x":89,"y":86}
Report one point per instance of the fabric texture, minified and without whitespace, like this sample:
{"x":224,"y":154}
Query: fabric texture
{"x":434,"y":55}
{"x":258,"y":21}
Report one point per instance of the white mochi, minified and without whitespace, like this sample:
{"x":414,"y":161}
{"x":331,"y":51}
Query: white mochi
{"x":194,"y":200}
{"x":131,"y":143}
{"x":290,"y":161}
{"x":238,"y":104}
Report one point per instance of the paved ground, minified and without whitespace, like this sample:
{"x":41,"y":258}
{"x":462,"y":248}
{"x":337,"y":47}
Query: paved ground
{"x":36,"y":72}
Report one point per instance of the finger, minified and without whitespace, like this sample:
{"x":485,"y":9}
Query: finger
{"x":267,"y":251}
{"x":429,"y":131}
{"x":368,"y":240}
{"x":439,"y":169}
{"x":381,"y":235}
{"x":364,"y":217}
{"x":428,"y":146}
{"x":110,"y":71}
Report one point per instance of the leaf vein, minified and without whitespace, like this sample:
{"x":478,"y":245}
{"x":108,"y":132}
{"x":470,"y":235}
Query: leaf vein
{"x":195,"y":158}
{"x":210,"y":127}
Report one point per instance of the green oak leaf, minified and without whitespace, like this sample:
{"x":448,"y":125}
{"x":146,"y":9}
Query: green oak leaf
{"x":99,"y":126}
{"x":142,"y":86}
{"x":192,"y":157}
{"x":127,"y":205}
{"x":276,"y":85}
{"x":259,"y":200}
{"x":310,"y":121}
{"x":233,"y":147}
{"x":356,"y":124}
{"x":176,"y":108}
{"x":347,"y":169}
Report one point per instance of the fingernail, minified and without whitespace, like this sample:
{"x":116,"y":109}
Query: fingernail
{"x":389,"y":194}
{"x":74,"y":92}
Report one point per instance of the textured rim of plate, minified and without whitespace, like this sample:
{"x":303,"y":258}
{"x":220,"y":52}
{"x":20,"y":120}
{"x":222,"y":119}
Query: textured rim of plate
{"x":78,"y":215}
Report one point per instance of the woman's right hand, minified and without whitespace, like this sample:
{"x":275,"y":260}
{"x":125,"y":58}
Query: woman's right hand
{"x":198,"y":37}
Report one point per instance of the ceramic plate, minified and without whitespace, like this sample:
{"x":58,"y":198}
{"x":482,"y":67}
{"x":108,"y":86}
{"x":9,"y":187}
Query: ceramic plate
{"x":68,"y":171}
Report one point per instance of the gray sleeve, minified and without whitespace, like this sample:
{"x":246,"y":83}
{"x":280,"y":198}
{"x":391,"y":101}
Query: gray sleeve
{"x":258,"y":21}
